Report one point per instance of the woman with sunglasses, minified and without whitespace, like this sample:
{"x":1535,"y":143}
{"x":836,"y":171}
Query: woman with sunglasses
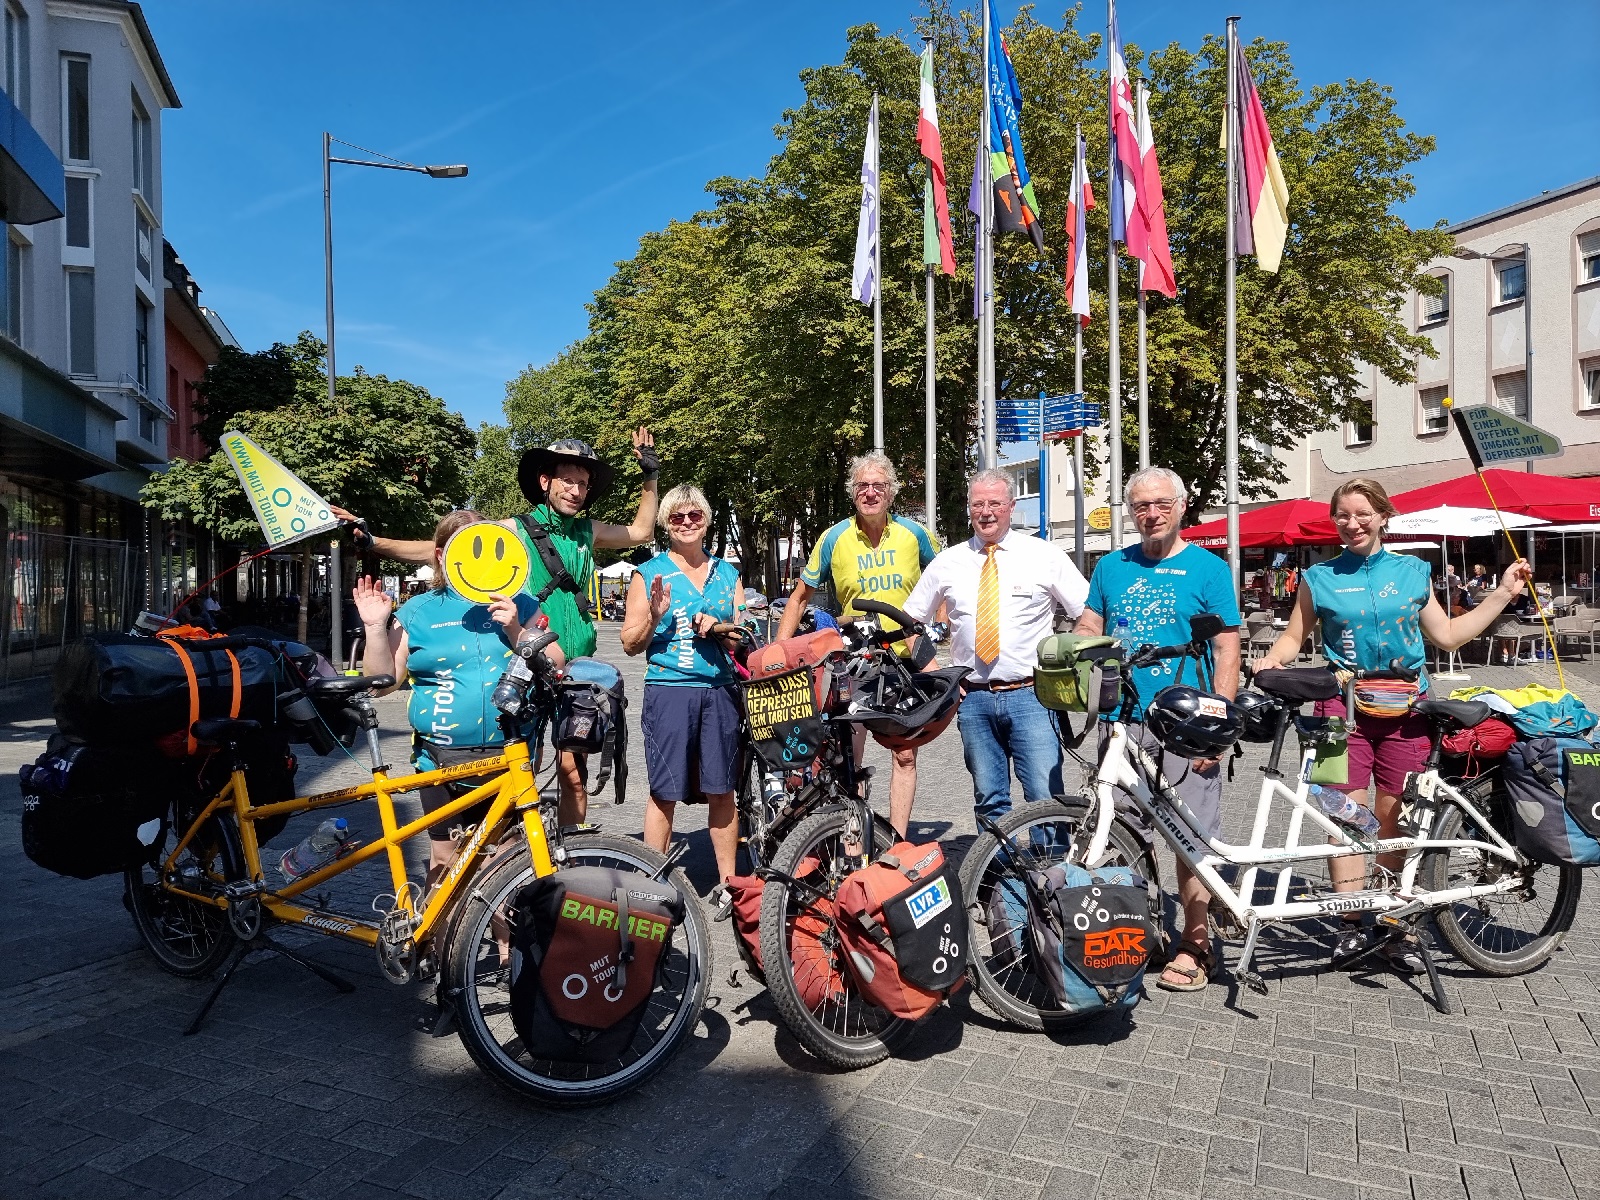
{"x":690,"y":718}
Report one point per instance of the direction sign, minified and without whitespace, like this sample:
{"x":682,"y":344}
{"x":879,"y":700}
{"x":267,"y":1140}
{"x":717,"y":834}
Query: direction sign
{"x":1016,"y":429}
{"x":1494,"y":436}
{"x":1062,"y":413}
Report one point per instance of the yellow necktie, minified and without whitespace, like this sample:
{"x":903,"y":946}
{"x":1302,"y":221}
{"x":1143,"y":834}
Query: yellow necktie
{"x":988,"y":645}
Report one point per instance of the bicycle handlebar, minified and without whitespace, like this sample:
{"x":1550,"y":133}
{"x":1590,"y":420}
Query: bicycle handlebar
{"x":1394,"y":671}
{"x":877,"y":608}
{"x":1145,"y":655}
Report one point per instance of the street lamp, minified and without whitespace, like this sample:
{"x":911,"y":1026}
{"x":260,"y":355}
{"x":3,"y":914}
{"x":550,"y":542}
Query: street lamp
{"x":1527,"y":319}
{"x":433,"y":171}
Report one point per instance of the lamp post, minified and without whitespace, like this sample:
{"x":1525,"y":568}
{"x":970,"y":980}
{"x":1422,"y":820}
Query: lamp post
{"x":433,"y":171}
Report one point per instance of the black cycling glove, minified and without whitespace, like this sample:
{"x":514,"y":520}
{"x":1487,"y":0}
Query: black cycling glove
{"x":649,"y":461}
{"x":360,"y":535}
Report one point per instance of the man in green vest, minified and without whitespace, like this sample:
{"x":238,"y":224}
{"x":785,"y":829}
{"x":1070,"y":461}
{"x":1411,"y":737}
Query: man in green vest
{"x":560,"y":481}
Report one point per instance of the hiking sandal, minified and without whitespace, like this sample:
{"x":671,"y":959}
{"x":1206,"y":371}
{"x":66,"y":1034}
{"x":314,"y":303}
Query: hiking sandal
{"x":1195,"y":977}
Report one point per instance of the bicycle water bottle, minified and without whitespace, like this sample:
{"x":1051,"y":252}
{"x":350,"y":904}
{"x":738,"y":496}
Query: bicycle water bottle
{"x":317,"y":850}
{"x":1341,"y":808}
{"x":772,"y":790}
{"x":1120,"y":630}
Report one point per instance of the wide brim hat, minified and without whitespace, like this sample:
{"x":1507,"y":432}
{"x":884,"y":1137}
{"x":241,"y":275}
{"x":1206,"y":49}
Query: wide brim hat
{"x":543,"y":460}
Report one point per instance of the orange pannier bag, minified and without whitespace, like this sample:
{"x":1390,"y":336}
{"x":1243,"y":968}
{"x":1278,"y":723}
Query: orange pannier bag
{"x":807,"y":650}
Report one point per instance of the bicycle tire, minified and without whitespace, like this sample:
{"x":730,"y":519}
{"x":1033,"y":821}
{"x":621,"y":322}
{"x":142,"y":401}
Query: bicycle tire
{"x":999,"y":962}
{"x":483,"y":1014}
{"x":850,"y":1033}
{"x":1468,"y":927}
{"x":188,"y":939}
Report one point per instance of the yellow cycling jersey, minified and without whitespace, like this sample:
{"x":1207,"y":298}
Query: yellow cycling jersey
{"x":860,"y":570}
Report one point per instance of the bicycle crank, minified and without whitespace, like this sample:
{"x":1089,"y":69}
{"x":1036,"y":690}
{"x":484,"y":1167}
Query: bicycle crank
{"x":244,"y":909}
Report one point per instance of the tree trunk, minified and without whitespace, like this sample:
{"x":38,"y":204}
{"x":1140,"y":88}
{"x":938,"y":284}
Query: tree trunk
{"x":305,"y":595}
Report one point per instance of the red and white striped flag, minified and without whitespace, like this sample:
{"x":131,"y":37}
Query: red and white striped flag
{"x":1155,"y":270}
{"x":1080,"y":198}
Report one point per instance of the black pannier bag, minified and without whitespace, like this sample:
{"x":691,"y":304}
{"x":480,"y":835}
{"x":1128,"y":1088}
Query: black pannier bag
{"x":83,"y":806}
{"x":1093,"y":940}
{"x":587,"y":948}
{"x":591,"y":719}
{"x":1553,"y":785}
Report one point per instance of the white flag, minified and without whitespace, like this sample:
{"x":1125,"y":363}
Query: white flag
{"x":865,"y":276}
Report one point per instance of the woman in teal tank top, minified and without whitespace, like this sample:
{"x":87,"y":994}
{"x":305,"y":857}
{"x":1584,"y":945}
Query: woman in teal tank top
{"x":1376,"y":607}
{"x":690,"y":719}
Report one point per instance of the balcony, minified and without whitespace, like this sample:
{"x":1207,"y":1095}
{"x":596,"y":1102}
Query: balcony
{"x":33,"y":187}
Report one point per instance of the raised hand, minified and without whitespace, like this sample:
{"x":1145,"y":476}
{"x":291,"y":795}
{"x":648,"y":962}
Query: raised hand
{"x":503,"y":612}
{"x":644,"y":449}
{"x":660,"y":599}
{"x":372,"y":602}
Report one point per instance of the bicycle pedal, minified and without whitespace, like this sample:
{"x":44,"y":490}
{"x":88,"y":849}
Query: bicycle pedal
{"x":1252,"y":981}
{"x":574,"y":830}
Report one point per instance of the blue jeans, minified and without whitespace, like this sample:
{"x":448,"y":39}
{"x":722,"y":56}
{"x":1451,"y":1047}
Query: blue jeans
{"x":999,"y":729}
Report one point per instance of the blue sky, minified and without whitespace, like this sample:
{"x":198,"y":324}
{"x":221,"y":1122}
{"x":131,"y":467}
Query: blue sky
{"x":587,"y":125}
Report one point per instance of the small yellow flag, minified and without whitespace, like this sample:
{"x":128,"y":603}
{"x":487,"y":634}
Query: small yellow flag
{"x":287,"y":509}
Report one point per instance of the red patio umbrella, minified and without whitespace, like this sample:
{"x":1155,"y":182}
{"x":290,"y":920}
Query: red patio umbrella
{"x":1556,"y":498}
{"x":1279,"y":524}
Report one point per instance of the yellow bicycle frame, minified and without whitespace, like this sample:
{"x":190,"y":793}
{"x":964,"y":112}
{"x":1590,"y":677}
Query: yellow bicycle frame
{"x":512,"y":788}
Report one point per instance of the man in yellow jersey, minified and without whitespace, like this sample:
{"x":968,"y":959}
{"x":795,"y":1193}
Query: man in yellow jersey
{"x":873,"y":555}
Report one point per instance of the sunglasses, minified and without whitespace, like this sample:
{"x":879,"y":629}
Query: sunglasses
{"x":687,"y":516}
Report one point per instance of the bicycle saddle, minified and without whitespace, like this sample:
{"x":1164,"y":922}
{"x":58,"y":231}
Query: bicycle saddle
{"x":221,"y":731}
{"x":1298,"y":684}
{"x":347,"y":685}
{"x":1465,"y":713}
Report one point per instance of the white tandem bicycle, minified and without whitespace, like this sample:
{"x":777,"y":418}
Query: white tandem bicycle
{"x":1500,"y":913}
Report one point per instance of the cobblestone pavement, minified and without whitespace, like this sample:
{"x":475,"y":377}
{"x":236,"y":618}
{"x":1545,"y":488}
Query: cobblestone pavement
{"x":1333,"y":1085}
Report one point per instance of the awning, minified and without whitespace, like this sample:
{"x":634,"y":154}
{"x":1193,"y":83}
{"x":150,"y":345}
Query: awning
{"x":33,"y":187}
{"x":1277,"y":524}
{"x":1555,"y":498}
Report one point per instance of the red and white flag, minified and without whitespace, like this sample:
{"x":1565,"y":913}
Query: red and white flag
{"x":1080,"y":198}
{"x":1127,"y":223}
{"x":937,"y":245}
{"x":1155,"y":269}
{"x":1261,"y":213}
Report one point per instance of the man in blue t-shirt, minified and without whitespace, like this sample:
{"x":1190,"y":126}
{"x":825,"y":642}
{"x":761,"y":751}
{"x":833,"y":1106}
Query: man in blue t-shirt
{"x":1147,"y":594}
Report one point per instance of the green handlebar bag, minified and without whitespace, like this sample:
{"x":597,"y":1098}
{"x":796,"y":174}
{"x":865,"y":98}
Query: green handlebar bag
{"x":1078,"y":674}
{"x":1331,"y":748}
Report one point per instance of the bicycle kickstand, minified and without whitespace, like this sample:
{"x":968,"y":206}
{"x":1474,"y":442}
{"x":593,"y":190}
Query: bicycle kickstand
{"x":262,"y":942}
{"x":1441,"y":1002}
{"x":1242,"y":973}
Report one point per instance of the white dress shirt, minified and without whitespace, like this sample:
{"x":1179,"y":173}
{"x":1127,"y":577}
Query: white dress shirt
{"x":1035,"y":577}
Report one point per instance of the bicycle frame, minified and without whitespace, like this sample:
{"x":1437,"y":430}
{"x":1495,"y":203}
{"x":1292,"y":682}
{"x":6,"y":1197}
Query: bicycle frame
{"x":1125,"y":766}
{"x":512,"y":788}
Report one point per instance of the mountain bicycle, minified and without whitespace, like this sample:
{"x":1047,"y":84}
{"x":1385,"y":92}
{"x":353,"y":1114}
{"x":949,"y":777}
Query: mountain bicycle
{"x":202,"y":900}
{"x":1499,"y":912}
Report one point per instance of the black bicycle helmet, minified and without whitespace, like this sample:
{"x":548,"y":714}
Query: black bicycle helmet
{"x":1259,"y":713}
{"x":915,"y":718}
{"x":543,"y":460}
{"x":1192,"y":723}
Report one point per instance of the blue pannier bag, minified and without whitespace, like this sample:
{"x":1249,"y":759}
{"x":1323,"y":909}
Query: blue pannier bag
{"x":1554,"y":788}
{"x":1093,"y":938}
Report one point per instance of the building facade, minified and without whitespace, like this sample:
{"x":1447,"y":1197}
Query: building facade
{"x":84,"y":409}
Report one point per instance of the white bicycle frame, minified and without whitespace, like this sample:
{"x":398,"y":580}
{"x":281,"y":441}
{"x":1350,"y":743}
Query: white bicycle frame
{"x":1166,"y":812}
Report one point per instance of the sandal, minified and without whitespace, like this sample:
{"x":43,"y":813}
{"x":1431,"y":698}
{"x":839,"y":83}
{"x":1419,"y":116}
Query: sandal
{"x":1195,"y":977}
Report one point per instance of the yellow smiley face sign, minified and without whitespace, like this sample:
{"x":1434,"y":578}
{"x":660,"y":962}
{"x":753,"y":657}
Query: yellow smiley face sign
{"x":483,"y":560}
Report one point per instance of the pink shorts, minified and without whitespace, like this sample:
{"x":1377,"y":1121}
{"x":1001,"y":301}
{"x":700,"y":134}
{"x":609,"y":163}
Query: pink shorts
{"x":1385,"y":747}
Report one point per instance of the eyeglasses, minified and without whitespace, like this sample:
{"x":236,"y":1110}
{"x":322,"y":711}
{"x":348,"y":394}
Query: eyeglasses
{"x":1163,"y":505}
{"x":869,"y":488}
{"x":686,"y":516}
{"x":983,"y":506}
{"x":1345,"y":518}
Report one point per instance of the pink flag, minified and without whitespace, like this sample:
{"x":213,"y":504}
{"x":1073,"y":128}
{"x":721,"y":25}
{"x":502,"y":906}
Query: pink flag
{"x":1155,"y":271}
{"x":1127,"y":223}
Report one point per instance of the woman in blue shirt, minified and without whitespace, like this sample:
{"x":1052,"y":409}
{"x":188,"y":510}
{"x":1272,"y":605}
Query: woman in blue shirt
{"x":1375,"y":607}
{"x":690,"y":719}
{"x":454,"y":651}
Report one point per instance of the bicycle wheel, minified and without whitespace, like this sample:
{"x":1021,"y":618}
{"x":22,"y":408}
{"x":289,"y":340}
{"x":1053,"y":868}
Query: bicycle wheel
{"x":816,"y":998}
{"x":188,"y":938}
{"x":478,"y":985}
{"x":1504,"y":934}
{"x":999,"y":957}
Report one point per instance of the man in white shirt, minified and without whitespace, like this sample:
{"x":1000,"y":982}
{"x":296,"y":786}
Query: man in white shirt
{"x":1002,"y":590}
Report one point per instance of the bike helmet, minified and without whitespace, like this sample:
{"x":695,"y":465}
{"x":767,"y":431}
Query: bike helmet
{"x":543,"y":460}
{"x":1259,"y":713}
{"x":1192,"y":723}
{"x":918,"y":714}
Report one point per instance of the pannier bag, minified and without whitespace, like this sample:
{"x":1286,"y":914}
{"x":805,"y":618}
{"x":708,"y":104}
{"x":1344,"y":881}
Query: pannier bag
{"x":82,"y":807}
{"x":903,"y":928}
{"x":748,"y":891}
{"x":1554,"y":788}
{"x":590,"y":719}
{"x":1092,"y":941}
{"x":587,"y":948}
{"x":1078,"y":674}
{"x":808,"y":650}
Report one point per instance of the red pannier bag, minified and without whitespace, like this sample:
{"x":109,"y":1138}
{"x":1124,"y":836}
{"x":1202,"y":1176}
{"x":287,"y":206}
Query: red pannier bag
{"x":903,"y":928}
{"x":807,"y":650}
{"x":1488,"y":739}
{"x":816,"y":977}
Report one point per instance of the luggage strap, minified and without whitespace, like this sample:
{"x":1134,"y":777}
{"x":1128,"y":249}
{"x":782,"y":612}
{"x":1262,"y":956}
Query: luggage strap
{"x":171,"y":638}
{"x":1546,"y":778}
{"x":1091,"y":715}
{"x":875,"y":931}
{"x":625,"y":949}
{"x":561,"y":579}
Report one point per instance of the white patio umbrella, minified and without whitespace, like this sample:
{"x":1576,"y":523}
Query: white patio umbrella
{"x":617,"y":570}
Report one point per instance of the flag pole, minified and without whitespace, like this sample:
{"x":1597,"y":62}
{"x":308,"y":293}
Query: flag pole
{"x":877,"y":294}
{"x":986,"y":389}
{"x":930,"y":456}
{"x":1078,"y":529}
{"x":1232,"y":397}
{"x":1144,"y":376}
{"x":1114,"y":424}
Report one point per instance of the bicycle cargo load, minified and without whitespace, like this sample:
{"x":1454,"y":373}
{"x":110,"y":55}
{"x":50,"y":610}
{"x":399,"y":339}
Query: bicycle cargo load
{"x":790,"y":654}
{"x":815,"y":977}
{"x":1078,"y":674}
{"x":591,"y":719}
{"x":83,"y":807}
{"x":588,"y":945}
{"x":903,"y":928}
{"x":1554,"y":788}
{"x":1092,"y":939}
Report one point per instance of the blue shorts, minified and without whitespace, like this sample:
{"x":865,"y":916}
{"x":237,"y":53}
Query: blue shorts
{"x":691,"y":741}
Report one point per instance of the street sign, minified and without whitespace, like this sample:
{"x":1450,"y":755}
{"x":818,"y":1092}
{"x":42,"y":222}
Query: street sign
{"x":1062,"y":413}
{"x":1494,"y":436}
{"x":1016,"y":429}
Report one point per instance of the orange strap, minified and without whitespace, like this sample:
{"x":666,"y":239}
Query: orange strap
{"x":170,"y":636}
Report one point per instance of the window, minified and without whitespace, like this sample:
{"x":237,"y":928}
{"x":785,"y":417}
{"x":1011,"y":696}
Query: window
{"x":1513,"y":281}
{"x":75,"y":108}
{"x":142,"y":245}
{"x":16,"y":65}
{"x":147,"y":424}
{"x":1591,"y":385}
{"x":1027,"y":477}
{"x":1434,"y":417}
{"x":1358,"y":433}
{"x":141,"y":344}
{"x":16,"y":287}
{"x":1589,"y":257}
{"x":1511,"y":393}
{"x":79,"y":209}
{"x":144,"y":165}
{"x":80,"y":322}
{"x":1437,"y":308}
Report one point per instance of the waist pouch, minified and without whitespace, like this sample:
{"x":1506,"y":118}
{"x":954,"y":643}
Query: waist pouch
{"x":590,"y":716}
{"x":1092,"y":939}
{"x":1554,"y":788}
{"x":587,"y":948}
{"x":903,"y":928}
{"x":1386,"y":697}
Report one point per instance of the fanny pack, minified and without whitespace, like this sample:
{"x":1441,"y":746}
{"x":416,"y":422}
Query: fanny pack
{"x":1386,"y":697}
